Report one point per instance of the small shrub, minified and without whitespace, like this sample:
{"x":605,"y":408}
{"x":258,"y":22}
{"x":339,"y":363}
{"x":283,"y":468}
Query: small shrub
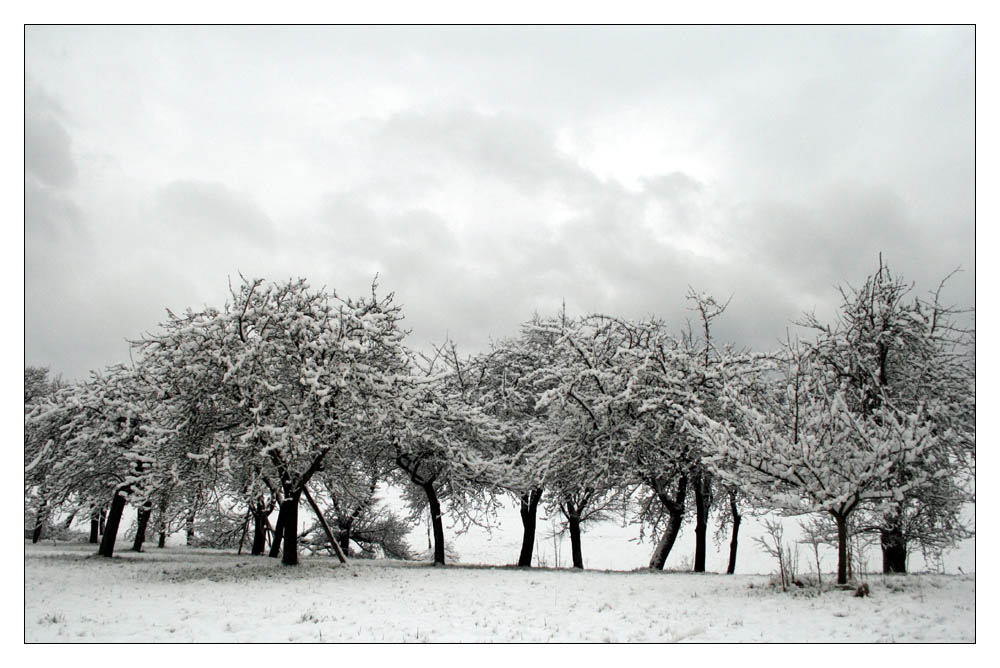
{"x":683,"y":566}
{"x":788,"y":562}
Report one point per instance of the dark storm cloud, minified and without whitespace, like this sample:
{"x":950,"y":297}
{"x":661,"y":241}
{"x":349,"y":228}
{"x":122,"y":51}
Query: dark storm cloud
{"x":614,"y":249}
{"x":488,"y":173}
{"x":837,"y":239}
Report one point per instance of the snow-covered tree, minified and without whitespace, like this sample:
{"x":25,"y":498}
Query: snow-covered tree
{"x":659,"y":378}
{"x":793,"y":441}
{"x":37,"y":384}
{"x":447,"y":446}
{"x":100,"y":438}
{"x":310,"y":370}
{"x":270,"y":390}
{"x":37,"y":387}
{"x":587,"y":412}
{"x":892,"y":350}
{"x":509,"y":380}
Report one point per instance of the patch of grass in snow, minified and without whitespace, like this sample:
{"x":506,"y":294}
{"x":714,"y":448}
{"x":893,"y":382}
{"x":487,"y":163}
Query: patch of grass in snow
{"x":308,"y":616}
{"x":52,"y":618}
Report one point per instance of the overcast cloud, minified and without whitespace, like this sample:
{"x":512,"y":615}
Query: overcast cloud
{"x":488,"y":173}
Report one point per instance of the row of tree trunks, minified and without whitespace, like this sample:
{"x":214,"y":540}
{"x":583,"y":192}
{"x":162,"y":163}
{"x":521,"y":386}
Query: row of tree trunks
{"x":529,"y":515}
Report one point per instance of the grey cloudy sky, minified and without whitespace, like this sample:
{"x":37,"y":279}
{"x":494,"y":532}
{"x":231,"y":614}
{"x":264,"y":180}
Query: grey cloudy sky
{"x":488,"y":173}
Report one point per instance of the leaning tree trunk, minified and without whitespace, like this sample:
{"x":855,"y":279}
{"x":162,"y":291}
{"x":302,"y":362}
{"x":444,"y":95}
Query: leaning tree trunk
{"x":436,"y":523}
{"x":701,"y":501}
{"x":334,"y":545}
{"x":279,"y":531}
{"x":141,"y":524}
{"x":574,"y":539}
{"x":529,"y":518}
{"x":114,"y":519}
{"x":675,"y":511}
{"x":733,"y":542}
{"x":40,"y":517}
{"x":893,"y":550}
{"x":94,"y":525}
{"x":842,"y":547}
{"x":290,"y":509}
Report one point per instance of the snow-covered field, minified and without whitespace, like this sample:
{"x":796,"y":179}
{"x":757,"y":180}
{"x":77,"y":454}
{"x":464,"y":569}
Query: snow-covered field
{"x":184,"y":595}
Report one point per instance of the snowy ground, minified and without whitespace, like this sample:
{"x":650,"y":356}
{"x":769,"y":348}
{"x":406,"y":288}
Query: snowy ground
{"x":182,"y":595}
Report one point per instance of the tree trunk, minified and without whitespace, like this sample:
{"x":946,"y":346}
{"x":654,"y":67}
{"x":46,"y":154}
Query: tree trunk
{"x":40,"y":517}
{"x":279,"y":531}
{"x":334,"y":545}
{"x":702,"y":492}
{"x":243,"y":533}
{"x":114,"y":519}
{"x":140,"y":529}
{"x":666,"y":543}
{"x":103,"y":520}
{"x":436,"y":523}
{"x":842,"y":546}
{"x":290,"y":509}
{"x":529,"y":518}
{"x":675,"y":511}
{"x":345,"y":537}
{"x":94,"y":525}
{"x":189,"y":527}
{"x":893,"y":550}
{"x":733,"y":542}
{"x":259,"y":533}
{"x":162,"y":521}
{"x":574,"y":540}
